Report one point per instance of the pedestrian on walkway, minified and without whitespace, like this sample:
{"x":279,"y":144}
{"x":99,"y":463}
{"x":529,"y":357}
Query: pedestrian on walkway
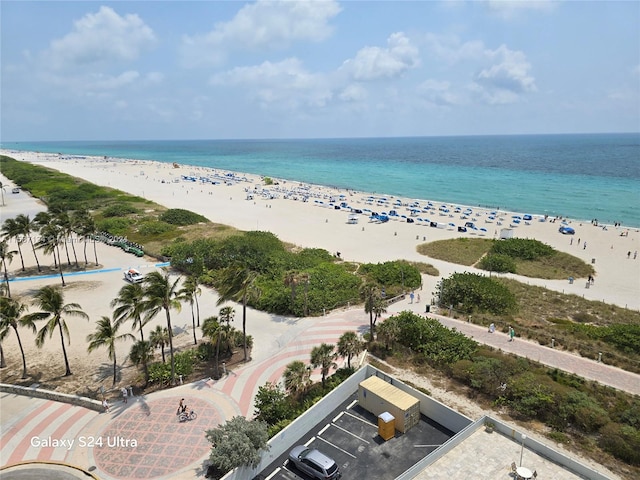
{"x":492,"y":328}
{"x":418,"y":298}
{"x":105,"y":405}
{"x":125,"y":394}
{"x":411,"y":295}
{"x":512,"y":333}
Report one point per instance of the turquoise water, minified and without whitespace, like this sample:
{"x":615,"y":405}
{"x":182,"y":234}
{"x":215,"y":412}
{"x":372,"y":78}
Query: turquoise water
{"x":576,"y":176}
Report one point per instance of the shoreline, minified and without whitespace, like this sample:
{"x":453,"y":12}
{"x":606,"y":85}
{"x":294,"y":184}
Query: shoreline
{"x":516,"y":200}
{"x":305,"y":214}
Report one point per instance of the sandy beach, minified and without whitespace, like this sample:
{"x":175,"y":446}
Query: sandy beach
{"x":299,"y":214}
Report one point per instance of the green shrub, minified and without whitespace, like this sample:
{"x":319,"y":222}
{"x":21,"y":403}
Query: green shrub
{"x":179,"y":216}
{"x":206,"y":351}
{"x":161,"y":372}
{"x":621,"y":441}
{"x":470,"y":292}
{"x":523,"y":248}
{"x":115,"y":226}
{"x":495,"y":262}
{"x":397,"y":272}
{"x":154,"y":228}
{"x":119,"y":210}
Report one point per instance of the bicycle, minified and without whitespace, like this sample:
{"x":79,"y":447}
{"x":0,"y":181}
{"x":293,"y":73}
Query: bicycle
{"x":184,"y":416}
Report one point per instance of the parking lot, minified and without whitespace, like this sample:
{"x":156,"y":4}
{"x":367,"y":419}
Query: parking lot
{"x":349,"y":435}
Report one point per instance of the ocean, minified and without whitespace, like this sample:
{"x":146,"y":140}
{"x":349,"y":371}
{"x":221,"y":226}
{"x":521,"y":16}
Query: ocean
{"x":582,"y":177}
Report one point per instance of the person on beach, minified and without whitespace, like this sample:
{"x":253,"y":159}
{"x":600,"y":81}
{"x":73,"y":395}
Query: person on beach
{"x":635,"y":254}
{"x":584,"y":246}
{"x":125,"y":394}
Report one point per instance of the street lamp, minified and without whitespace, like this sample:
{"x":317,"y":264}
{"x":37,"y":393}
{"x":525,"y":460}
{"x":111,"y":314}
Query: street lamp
{"x":524,"y":437}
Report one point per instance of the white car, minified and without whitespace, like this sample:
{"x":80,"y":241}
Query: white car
{"x":134,"y":276}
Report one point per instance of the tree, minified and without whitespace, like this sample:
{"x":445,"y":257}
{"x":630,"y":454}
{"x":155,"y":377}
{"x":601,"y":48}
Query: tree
{"x":51,"y":236}
{"x":50,"y":300}
{"x":11,"y":230}
{"x":212,"y":329}
{"x":142,"y":353}
{"x":130,"y":306}
{"x":297,"y":378}
{"x":324,"y":356}
{"x":27,"y":227}
{"x":226,"y":316}
{"x":84,"y":225}
{"x":271,"y":404}
{"x":106,"y":335}
{"x":370,"y":292}
{"x":189,"y":293}
{"x":237,"y":443}
{"x":348,"y":346}
{"x":161,"y":294}
{"x":159,"y":338}
{"x":6,"y":256}
{"x":238,"y":284}
{"x":11,"y":315}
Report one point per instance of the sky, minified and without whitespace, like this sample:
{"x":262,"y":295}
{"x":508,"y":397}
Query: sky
{"x":150,"y":70}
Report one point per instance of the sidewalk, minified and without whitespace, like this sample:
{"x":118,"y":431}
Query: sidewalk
{"x":589,"y":369}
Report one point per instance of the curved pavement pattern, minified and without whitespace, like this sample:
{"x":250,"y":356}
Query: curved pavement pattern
{"x":167,"y":449}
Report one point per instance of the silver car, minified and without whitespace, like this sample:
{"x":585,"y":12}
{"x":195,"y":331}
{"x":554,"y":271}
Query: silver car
{"x":314,"y":463}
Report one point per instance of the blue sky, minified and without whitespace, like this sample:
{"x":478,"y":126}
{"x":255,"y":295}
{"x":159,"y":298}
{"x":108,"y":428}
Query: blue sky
{"x":295,"y":69}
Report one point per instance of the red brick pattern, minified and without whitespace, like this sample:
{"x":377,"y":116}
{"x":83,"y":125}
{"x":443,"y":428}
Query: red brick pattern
{"x":164,"y":445}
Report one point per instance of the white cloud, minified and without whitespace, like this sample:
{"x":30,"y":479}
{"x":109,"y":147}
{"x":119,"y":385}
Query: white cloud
{"x":510,"y":9}
{"x":353,"y":93}
{"x":438,"y":93}
{"x":372,"y":63}
{"x":264,"y":25}
{"x":451,"y":49}
{"x":101,"y":37}
{"x":508,"y":75}
{"x":285,"y":82}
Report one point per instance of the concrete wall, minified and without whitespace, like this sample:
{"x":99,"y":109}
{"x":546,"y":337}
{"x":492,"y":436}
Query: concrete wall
{"x":50,"y":395}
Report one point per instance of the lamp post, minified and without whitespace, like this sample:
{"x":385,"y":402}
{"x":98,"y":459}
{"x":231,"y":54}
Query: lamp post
{"x":524,"y":437}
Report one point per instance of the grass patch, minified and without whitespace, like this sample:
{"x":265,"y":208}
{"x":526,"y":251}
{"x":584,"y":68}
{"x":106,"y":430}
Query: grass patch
{"x":547,"y":264}
{"x":463,"y":251}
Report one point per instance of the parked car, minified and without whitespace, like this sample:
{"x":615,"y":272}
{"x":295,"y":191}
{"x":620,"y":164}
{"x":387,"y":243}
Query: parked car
{"x":314,"y":463}
{"x":15,"y":190}
{"x":567,"y":231}
{"x":134,"y":276}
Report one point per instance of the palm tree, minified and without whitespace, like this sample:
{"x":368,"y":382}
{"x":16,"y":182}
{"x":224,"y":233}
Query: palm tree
{"x":84,"y":226}
{"x":189,"y":293}
{"x":370,"y":292}
{"x":226,"y":316}
{"x":389,"y":331}
{"x":297,"y":378}
{"x":50,"y":238}
{"x":106,"y":335}
{"x":11,"y":229}
{"x":159,"y":338}
{"x":161,"y":294}
{"x":142,"y":353}
{"x":193,"y":283}
{"x":349,"y":346}
{"x":65,"y":224}
{"x":11,"y":315}
{"x":26,"y":227}
{"x":129,"y":305}
{"x":212,"y":329}
{"x":238,"y":284}
{"x":6,"y":256}
{"x":50,"y":300}
{"x":324,"y":357}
